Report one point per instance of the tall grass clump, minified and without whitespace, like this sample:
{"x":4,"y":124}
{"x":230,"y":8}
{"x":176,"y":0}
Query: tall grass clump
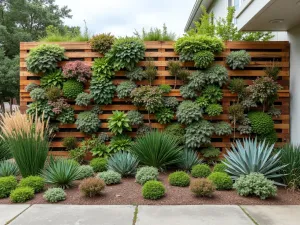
{"x":156,"y":34}
{"x":26,"y":137}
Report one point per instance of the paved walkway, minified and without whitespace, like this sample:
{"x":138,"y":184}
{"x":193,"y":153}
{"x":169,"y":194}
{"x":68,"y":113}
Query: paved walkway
{"x":148,"y":215}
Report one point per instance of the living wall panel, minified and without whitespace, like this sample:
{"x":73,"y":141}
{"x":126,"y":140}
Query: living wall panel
{"x":263,"y":54}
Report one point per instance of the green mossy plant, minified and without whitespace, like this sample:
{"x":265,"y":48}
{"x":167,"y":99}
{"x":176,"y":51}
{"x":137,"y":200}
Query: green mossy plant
{"x":72,"y":88}
{"x":7,"y":184}
{"x":261,"y":123}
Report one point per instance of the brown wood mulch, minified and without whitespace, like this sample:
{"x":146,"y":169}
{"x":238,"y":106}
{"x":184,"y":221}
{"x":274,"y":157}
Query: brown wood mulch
{"x":129,"y":193}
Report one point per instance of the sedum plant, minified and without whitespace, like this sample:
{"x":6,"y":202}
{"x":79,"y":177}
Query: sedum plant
{"x":52,"y":79}
{"x":72,"y":88}
{"x":77,"y":70}
{"x":135,"y":118}
{"x":164,"y":115}
{"x":189,"y":158}
{"x":203,"y":59}
{"x":102,"y":69}
{"x":83,"y":99}
{"x":102,"y":91}
{"x":188,"y":112}
{"x":38,"y":94}
{"x":118,"y":122}
{"x":123,"y":163}
{"x":125,"y":88}
{"x":54,"y":195}
{"x":145,"y":174}
{"x":88,"y":122}
{"x":44,"y":58}
{"x":238,"y":59}
{"x":102,"y":42}
{"x":110,"y":177}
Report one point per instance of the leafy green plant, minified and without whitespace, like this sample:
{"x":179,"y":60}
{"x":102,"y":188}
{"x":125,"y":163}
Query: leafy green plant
{"x":188,"y":92}
{"x":110,"y":177}
{"x":102,"y":91}
{"x":179,"y":178}
{"x":135,"y":118}
{"x":212,"y":93}
{"x":123,"y":163}
{"x":72,"y":88}
{"x":85,"y":172}
{"x":61,"y":173}
{"x":102,"y":42}
{"x":145,"y":174}
{"x":7,"y":184}
{"x":214,"y":109}
{"x":170,"y":102}
{"x":177,"y":131}
{"x":222,"y":128}
{"x":88,"y":122}
{"x":157,"y":149}
{"x":136,"y":74}
{"x":41,"y":109}
{"x":21,"y":194}
{"x":37,"y":183}
{"x":38,"y":94}
{"x":251,"y":156}
{"x":4,"y":150}
{"x":120,"y":143}
{"x":202,"y":102}
{"x":261,"y":123}
{"x":8,"y":168}
{"x":200,"y":170}
{"x":221,"y":180}
{"x":188,"y":112}
{"x":118,"y":122}
{"x":153,"y":190}
{"x":238,"y":59}
{"x":53,"y":93}
{"x":101,"y":150}
{"x":67,"y":116}
{"x":53,"y":79}
{"x":165,"y":88}
{"x":220,"y":167}
{"x":202,"y":187}
{"x":54,"y":195}
{"x":126,"y":52}
{"x":216,"y":75}
{"x":83,"y":99}
{"x":203,"y":59}
{"x":189,"y":158}
{"x":125,"y":88}
{"x":31,"y":87}
{"x":255,"y":184}
{"x":98,"y":164}
{"x":164,"y":115}
{"x":197,"y":81}
{"x":78,"y":154}
{"x":44,"y":58}
{"x":102,"y":69}
{"x":156,"y":34}
{"x":198,"y":134}
{"x":211,"y":154}
{"x":92,"y":186}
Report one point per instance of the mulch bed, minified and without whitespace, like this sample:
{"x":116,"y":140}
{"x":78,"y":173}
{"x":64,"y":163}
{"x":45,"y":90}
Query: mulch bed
{"x":129,"y":193}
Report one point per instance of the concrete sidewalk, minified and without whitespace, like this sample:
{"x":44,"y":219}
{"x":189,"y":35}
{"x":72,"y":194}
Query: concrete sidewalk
{"x":148,"y":215}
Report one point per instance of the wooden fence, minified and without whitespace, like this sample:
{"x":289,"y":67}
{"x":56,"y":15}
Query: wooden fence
{"x":263,"y":54}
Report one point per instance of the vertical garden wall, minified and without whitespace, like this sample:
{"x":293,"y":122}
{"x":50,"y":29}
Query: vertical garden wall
{"x":263,"y":54}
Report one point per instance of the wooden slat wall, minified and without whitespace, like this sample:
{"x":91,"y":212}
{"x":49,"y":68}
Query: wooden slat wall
{"x":262,"y":53}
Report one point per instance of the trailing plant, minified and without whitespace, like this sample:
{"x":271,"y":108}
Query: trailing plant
{"x":85,"y":172}
{"x":120,"y":143}
{"x":222,"y":181}
{"x":170,"y":102}
{"x":67,"y":116}
{"x":99,"y":164}
{"x":214,"y":109}
{"x":110,"y":177}
{"x":7,"y":184}
{"x":31,"y":87}
{"x":38,"y":94}
{"x":261,"y":123}
{"x":53,"y":93}
{"x":72,"y":88}
{"x":44,"y":58}
{"x":150,"y":71}
{"x":126,"y":52}
{"x":102,"y":42}
{"x":145,"y":174}
{"x":156,"y":34}
{"x":8,"y":168}
{"x":41,"y":109}
{"x":102,"y":69}
{"x":153,"y":190}
{"x":188,"y":112}
{"x":165,"y":88}
{"x":35,"y":182}
{"x":216,"y":75}
{"x":251,"y":156}
{"x":26,"y":138}
{"x":189,"y":158}
{"x":213,"y":94}
{"x":200,"y":170}
{"x":255,"y":184}
{"x":88,"y":122}
{"x":118,"y":122}
{"x":222,"y":128}
{"x":198,"y":134}
{"x":123,"y":163}
{"x":203,"y":59}
{"x":157,"y":149}
{"x":177,"y":131}
{"x":179,"y":178}
{"x":136,"y":74}
{"x":92,"y":186}
{"x":102,"y":91}
{"x":135,"y":118}
{"x":77,"y":70}
{"x":211,"y":154}
{"x":69,"y":143}
{"x":52,"y":79}
{"x":54,"y":195}
{"x":21,"y":194}
{"x":83,"y":99}
{"x":202,"y":187}
{"x":164,"y":115}
{"x":238,"y":59}
{"x":125,"y":88}
{"x":187,"y":92}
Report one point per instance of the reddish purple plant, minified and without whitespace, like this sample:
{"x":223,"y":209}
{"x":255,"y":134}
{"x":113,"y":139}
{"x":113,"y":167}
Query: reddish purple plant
{"x":59,"y":105}
{"x":78,"y":70}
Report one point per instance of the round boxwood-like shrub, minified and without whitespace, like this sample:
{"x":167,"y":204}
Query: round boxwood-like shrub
{"x":53,"y":195}
{"x":202,"y":187}
{"x":72,"y":88}
{"x":110,"y":177}
{"x":204,"y":59}
{"x":222,"y":180}
{"x":35,"y":182}
{"x":22,"y":194}
{"x":153,"y":190}
{"x":261,"y":123}
{"x":179,"y":178}
{"x":99,"y":164}
{"x":86,"y":171}
{"x":88,"y":122}
{"x":7,"y":184}
{"x":200,"y":170}
{"x":220,"y":167}
{"x":92,"y":186}
{"x":238,"y":59}
{"x":145,"y":174}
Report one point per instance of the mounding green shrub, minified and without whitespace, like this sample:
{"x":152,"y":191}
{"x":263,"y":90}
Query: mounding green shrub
{"x":171,"y":102}
{"x":202,"y":187}
{"x":189,"y":158}
{"x":102,"y":91}
{"x":255,"y":184}
{"x":99,"y":164}
{"x":123,"y":163}
{"x":118,"y":122}
{"x":187,"y":92}
{"x":35,"y":182}
{"x":72,"y":88}
{"x":85,"y":172}
{"x":8,"y":168}
{"x":222,"y":180}
{"x":216,"y":75}
{"x":166,"y":88}
{"x":188,"y":112}
{"x":200,"y":170}
{"x":102,"y":69}
{"x":157,"y":149}
{"x":261,"y":123}
{"x":153,"y":190}
{"x":102,"y":42}
{"x":88,"y":122}
{"x":164,"y":115}
{"x":222,"y":128}
{"x":238,"y":59}
{"x":44,"y":58}
{"x":69,"y":143}
{"x":212,"y":93}
{"x":125,"y":88}
{"x":204,"y":59}
{"x":120,"y":143}
{"x":211,"y":154}
{"x":83,"y":99}
{"x":7,"y":184}
{"x":179,"y":178}
{"x":110,"y":177}
{"x":92,"y":186}
{"x":135,"y":118}
{"x":53,"y":93}
{"x":145,"y":174}
{"x":21,"y":194}
{"x":220,"y":167}
{"x":52,"y":79}
{"x":54,"y":195}
{"x":136,"y":74}
{"x":38,"y":94}
{"x":214,"y":109}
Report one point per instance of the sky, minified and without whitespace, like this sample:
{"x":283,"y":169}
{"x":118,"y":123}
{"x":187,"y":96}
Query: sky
{"x":122,"y":17}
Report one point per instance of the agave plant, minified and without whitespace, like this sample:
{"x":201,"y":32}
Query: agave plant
{"x":123,"y":163}
{"x":61,"y":173}
{"x":189,"y":158}
{"x":252,"y":156}
{"x":8,"y":168}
